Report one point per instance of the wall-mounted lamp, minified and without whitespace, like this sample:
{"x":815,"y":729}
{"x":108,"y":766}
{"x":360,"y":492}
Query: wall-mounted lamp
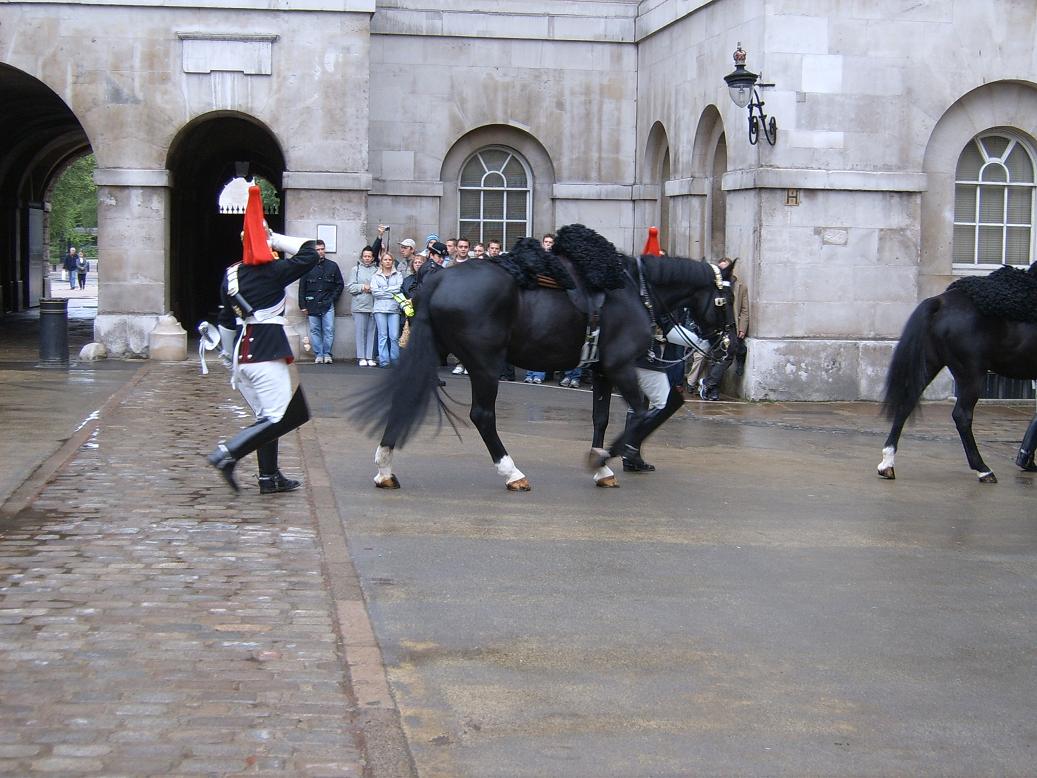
{"x":742,"y":85}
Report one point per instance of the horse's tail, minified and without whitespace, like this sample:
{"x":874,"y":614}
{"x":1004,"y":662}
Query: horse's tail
{"x":909,"y":370}
{"x":398,"y":403}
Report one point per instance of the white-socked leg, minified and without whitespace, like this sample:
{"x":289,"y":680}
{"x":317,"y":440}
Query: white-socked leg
{"x":885,"y":468}
{"x":603,"y":476}
{"x":506,"y":467}
{"x":514,"y":478}
{"x":383,"y":459}
{"x":888,"y":454}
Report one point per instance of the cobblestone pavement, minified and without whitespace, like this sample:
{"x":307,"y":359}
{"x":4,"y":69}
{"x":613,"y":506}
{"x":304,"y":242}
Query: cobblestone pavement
{"x":152,"y":623}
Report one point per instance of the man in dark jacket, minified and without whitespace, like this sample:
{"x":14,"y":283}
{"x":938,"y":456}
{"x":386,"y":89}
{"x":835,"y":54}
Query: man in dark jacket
{"x":251,"y":324}
{"x":319,"y":290}
{"x":70,"y":264}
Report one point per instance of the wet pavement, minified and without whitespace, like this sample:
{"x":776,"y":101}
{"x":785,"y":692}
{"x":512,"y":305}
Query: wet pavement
{"x":763,"y":604}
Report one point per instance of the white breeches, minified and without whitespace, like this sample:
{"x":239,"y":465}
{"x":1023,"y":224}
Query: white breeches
{"x":655,"y":385}
{"x":267,"y":388}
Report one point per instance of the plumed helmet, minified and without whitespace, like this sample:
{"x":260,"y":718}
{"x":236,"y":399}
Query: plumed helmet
{"x":255,"y":248}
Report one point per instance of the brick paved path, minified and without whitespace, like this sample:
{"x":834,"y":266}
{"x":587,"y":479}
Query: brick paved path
{"x":152,"y":623}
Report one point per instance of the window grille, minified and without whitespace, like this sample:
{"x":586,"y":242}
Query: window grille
{"x":494,"y":197}
{"x":993,"y":204}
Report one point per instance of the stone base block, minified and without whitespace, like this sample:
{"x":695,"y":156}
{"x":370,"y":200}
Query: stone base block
{"x":125,"y":335}
{"x":818,"y":369}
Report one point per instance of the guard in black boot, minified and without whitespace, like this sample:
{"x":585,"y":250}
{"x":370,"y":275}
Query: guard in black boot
{"x":272,"y":480}
{"x":251,"y":320}
{"x":1024,"y":459}
{"x":633,"y":463}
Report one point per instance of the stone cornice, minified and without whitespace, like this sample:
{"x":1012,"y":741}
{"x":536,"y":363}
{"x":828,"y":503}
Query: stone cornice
{"x":306,"y":179}
{"x":111,"y":176}
{"x":845,"y":180}
{"x":355,"y":6}
{"x":603,"y":22}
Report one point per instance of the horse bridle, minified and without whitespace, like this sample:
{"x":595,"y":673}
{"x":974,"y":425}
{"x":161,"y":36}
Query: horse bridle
{"x":717,"y":353}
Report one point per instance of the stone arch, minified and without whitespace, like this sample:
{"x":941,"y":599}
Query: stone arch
{"x":708,"y":164}
{"x":527,"y":146}
{"x":39,"y":137}
{"x":654,"y":173}
{"x":1002,"y":105}
{"x":204,"y":156}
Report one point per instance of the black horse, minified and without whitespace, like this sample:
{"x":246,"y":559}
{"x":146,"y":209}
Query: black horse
{"x":481,"y":314}
{"x":971,"y":328}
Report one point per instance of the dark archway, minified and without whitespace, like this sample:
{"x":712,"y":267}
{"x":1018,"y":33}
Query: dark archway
{"x":206,"y":155}
{"x":39,"y":136}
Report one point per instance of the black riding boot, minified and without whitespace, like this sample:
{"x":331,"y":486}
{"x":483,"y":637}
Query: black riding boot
{"x":1024,"y":459}
{"x":271,"y":479}
{"x":632,"y":461}
{"x":250,"y":439}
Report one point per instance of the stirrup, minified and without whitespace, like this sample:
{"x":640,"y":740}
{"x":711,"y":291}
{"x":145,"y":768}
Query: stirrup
{"x":272,"y":484}
{"x":221,"y":459}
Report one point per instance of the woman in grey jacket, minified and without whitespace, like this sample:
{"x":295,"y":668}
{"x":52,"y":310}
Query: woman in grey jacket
{"x":385,"y":286}
{"x":363,"y":305}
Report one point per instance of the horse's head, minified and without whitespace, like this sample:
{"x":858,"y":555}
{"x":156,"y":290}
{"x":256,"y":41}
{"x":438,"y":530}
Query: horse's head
{"x":712,"y":307}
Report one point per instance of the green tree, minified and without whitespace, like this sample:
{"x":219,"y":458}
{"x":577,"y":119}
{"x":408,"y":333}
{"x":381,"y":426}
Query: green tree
{"x":271,"y":202}
{"x":73,"y":209}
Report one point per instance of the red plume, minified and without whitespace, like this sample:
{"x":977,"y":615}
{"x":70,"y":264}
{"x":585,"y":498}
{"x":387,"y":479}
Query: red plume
{"x":254,"y":247}
{"x":652,"y":244}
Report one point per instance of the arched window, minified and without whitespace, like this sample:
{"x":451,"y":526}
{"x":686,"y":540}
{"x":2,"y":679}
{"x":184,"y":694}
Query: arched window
{"x":494,"y":197}
{"x":993,"y":203}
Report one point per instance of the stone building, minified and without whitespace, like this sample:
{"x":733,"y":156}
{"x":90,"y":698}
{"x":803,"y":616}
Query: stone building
{"x":904,"y":151}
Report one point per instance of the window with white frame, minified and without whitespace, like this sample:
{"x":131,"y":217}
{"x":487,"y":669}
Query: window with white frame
{"x":993,"y":203}
{"x":494,"y":199}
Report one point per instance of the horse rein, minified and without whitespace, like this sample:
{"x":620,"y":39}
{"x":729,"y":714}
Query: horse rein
{"x":716,"y":353}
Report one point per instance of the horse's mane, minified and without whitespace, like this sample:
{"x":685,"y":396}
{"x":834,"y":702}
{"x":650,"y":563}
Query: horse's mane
{"x":595,"y":258}
{"x":676,"y":270}
{"x":1007,"y":293}
{"x":527,"y":260}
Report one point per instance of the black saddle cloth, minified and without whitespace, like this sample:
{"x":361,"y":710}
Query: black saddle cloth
{"x":1007,"y":293}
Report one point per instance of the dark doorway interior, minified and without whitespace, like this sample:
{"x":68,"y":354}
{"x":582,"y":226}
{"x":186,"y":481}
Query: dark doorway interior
{"x":204,"y":157}
{"x":39,"y":136}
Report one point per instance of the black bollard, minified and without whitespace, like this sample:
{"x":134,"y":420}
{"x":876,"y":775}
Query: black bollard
{"x":53,"y":332}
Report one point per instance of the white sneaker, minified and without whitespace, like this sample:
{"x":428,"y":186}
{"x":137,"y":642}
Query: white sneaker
{"x":363,"y":363}
{"x":459,"y":369}
{"x":327,"y":359}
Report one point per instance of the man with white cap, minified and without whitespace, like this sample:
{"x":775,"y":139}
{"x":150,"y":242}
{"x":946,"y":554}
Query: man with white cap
{"x":408,"y":248}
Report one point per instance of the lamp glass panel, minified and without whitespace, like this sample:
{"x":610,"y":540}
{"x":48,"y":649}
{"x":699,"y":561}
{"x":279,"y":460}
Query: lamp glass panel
{"x":741,"y":94}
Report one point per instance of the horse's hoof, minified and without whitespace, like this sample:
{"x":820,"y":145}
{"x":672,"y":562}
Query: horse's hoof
{"x":608,"y":482}
{"x":388,"y":483}
{"x":888,"y":473}
{"x":988,"y":478}
{"x":521,"y":485}
{"x":597,"y":457}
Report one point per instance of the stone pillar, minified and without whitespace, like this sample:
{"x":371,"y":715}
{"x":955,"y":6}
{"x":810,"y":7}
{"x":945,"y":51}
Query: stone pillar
{"x":336,"y":203}
{"x":133,"y":237}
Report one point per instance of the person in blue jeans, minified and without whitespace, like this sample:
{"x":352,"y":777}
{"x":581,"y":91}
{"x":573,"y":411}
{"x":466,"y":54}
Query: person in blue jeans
{"x":386,"y":284}
{"x":571,"y":378}
{"x":319,"y":290}
{"x":535,"y":376}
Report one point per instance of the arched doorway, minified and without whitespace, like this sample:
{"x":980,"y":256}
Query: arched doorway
{"x":204,"y":157}
{"x":39,"y":137}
